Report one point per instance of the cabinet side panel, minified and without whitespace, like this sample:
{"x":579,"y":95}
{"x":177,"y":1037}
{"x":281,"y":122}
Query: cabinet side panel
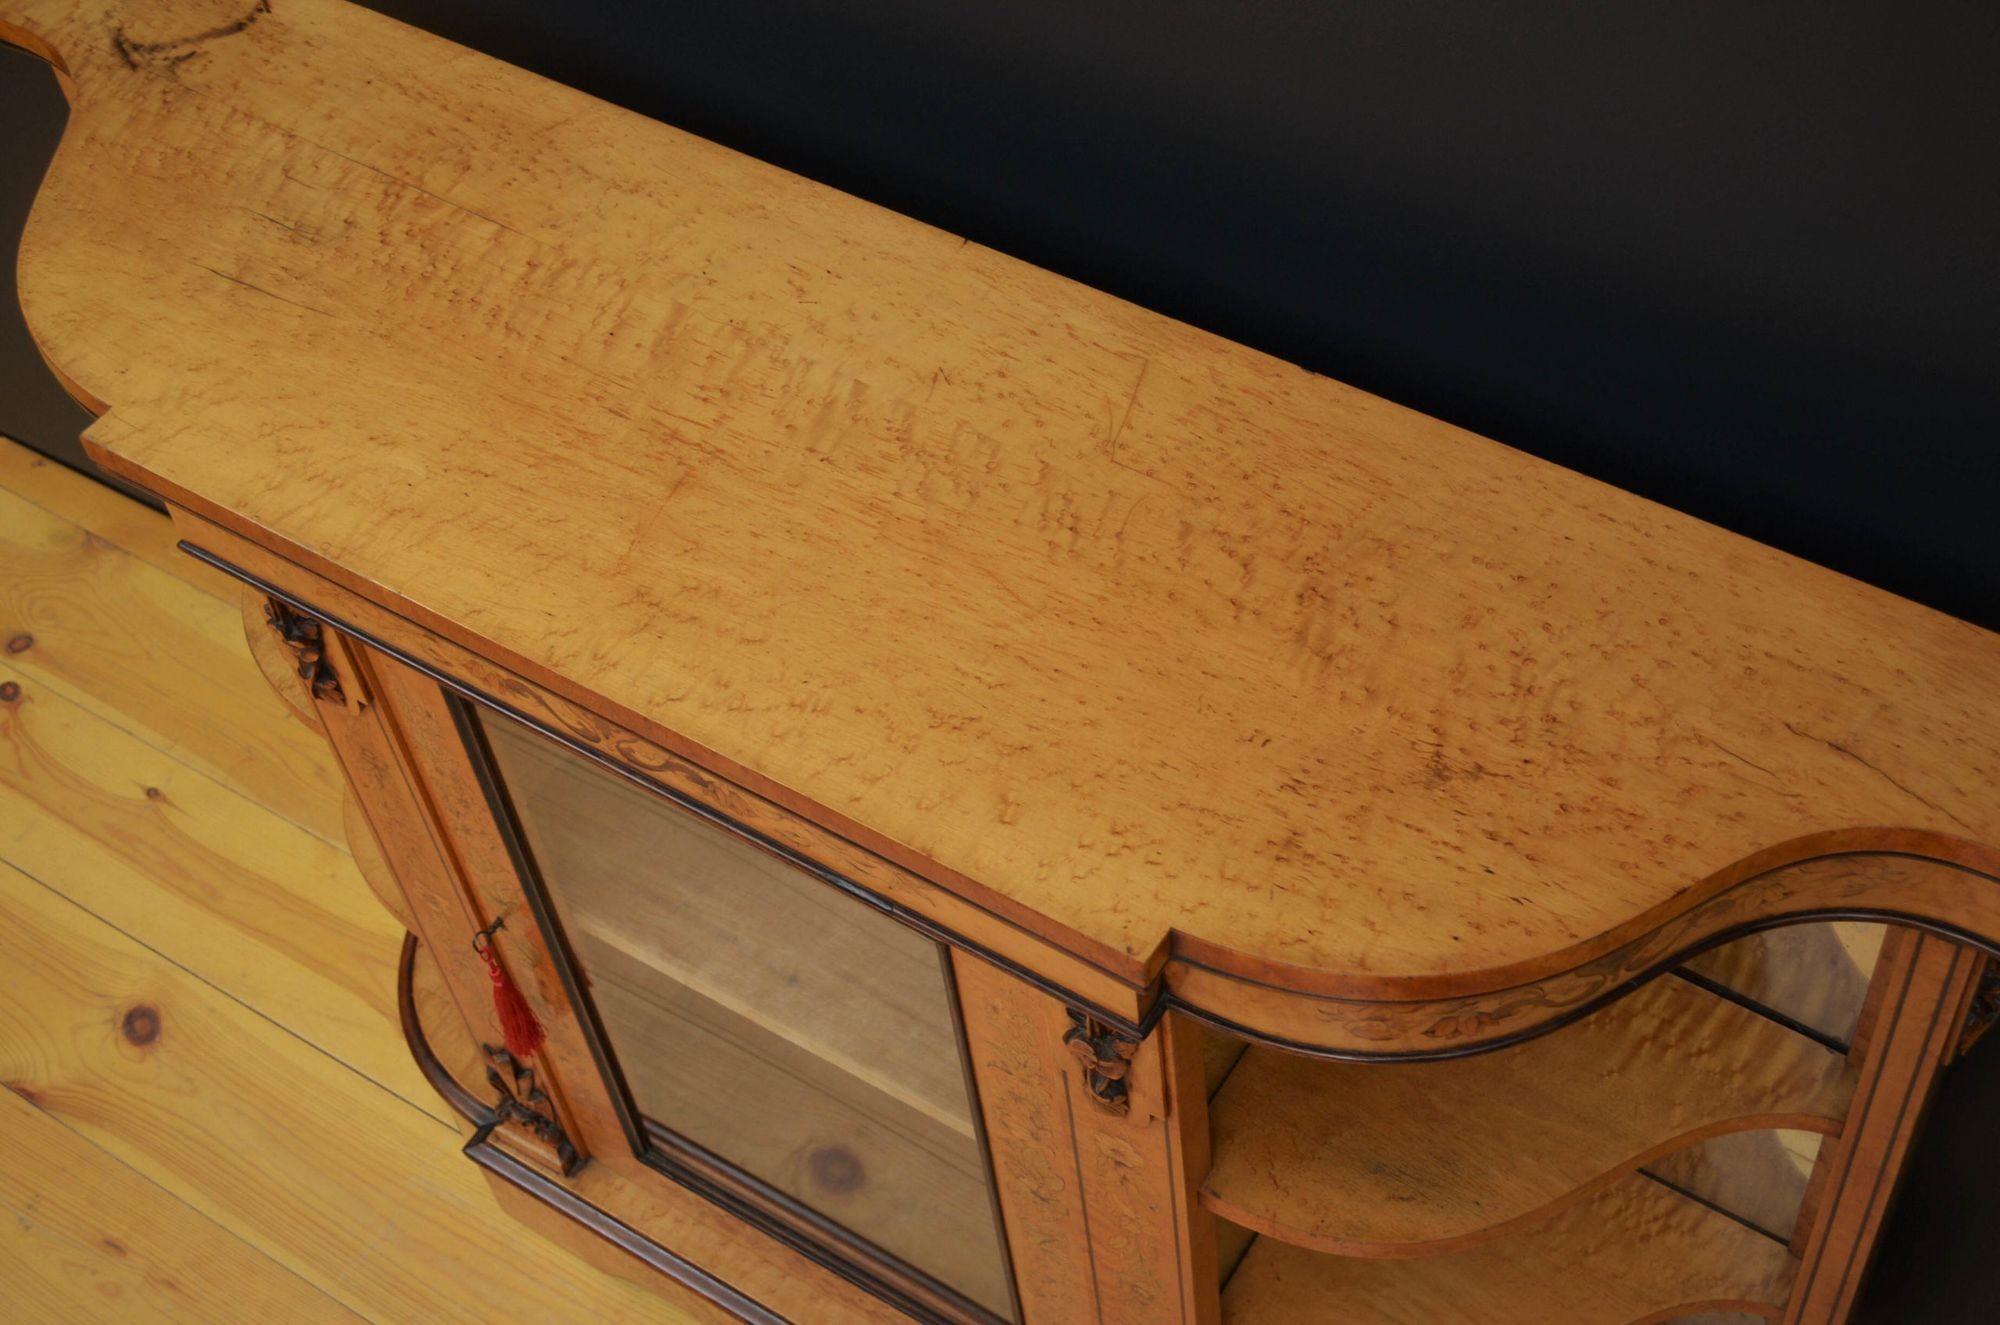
{"x":374,"y":751}
{"x":489,"y":892}
{"x":1014,"y":1034}
{"x":1909,"y":1027}
{"x":1186,"y":1056}
{"x":1094,"y":1196}
{"x":1132,"y":1191}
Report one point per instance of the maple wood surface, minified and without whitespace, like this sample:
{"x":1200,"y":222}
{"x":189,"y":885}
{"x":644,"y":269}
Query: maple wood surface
{"x":1094,"y":1200}
{"x":1132,"y":633}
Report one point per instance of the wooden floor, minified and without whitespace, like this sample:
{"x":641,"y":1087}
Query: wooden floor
{"x":209,"y":1112}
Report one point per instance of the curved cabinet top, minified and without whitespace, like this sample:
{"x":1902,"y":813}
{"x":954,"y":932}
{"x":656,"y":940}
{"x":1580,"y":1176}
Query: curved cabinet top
{"x":1144,"y":640}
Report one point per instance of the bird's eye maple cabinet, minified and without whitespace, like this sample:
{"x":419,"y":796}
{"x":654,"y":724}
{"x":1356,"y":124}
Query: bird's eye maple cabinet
{"x":921,"y":790}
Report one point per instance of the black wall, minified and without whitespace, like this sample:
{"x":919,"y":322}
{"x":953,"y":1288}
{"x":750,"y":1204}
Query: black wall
{"x":33,"y":408}
{"x":1737,"y":258}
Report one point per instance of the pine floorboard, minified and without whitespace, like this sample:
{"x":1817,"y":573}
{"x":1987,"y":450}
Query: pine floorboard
{"x":208,"y":1111}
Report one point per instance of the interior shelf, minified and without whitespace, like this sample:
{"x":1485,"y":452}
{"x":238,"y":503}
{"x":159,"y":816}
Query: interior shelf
{"x":1397,"y":1160}
{"x":868,"y":1045}
{"x":1633,"y":1254}
{"x":740,"y":927}
{"x":802,"y":1125}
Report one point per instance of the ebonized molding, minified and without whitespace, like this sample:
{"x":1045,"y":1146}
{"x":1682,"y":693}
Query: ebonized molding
{"x":489,"y":1156}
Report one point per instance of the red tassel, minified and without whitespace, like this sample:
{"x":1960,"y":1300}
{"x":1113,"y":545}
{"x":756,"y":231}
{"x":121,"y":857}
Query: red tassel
{"x":518,"y":1027}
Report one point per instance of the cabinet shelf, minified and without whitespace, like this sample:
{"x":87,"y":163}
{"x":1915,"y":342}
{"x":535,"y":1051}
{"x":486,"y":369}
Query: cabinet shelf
{"x":1635,"y":1253}
{"x":869,"y":1002}
{"x":1397,"y":1160}
{"x":881,"y":1062}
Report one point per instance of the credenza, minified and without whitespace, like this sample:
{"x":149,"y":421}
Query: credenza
{"x":919,"y":789}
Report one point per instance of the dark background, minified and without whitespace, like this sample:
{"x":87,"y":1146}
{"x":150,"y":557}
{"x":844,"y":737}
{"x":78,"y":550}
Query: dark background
{"x":1740,"y":259}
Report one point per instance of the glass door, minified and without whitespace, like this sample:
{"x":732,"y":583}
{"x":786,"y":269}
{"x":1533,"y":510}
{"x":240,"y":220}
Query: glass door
{"x":764,"y":1019}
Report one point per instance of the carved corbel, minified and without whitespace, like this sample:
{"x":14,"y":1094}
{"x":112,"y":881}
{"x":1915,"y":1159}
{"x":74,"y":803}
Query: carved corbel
{"x":521,"y":1100}
{"x":1106,"y":1057}
{"x":306,"y":638}
{"x":1983,"y":1009}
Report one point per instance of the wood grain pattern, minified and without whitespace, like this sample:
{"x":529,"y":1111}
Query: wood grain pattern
{"x":376,"y":755}
{"x":234,"y":1116}
{"x":1391,"y":1160}
{"x":371,"y":864}
{"x":1031,"y":1133}
{"x":1879,"y":881}
{"x":1248,"y":665}
{"x":1871,"y":882}
{"x":111,"y":518}
{"x":585,"y":1243}
{"x":160,"y":1250}
{"x":876,"y":866}
{"x":1135,"y":1195}
{"x":1095,"y":1203}
{"x":542,"y":1222}
{"x":1361,"y":1027}
{"x":83,"y":1238}
{"x":143,"y":649}
{"x":695,"y":1227}
{"x":270,"y":913}
{"x":1634,"y":1255}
